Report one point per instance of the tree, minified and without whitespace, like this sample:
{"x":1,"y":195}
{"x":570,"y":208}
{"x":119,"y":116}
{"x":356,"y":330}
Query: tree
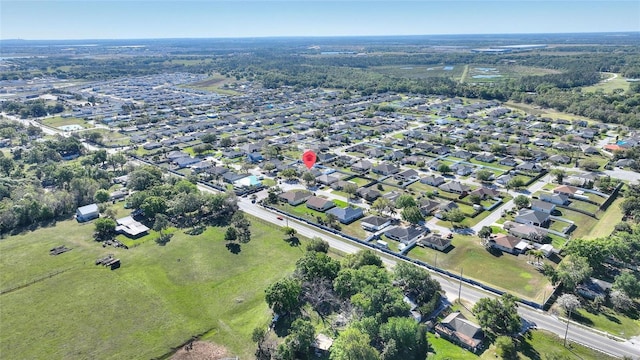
{"x":309,"y":178}
{"x":485,"y":232}
{"x":595,"y":251}
{"x":350,"y":189}
{"x":318,"y":245}
{"x":159,"y":225}
{"x":352,"y":344}
{"x":484,"y":175}
{"x":515,"y":183}
{"x":498,"y":316}
{"x":289,"y":174}
{"x":208,"y":138}
{"x":418,"y":285}
{"x":242,"y":225}
{"x":381,"y":302}
{"x":454,"y":216}
{"x":144,"y":178}
{"x":620,"y":300}
{"x":405,"y":201}
{"x":568,"y":302}
{"x":382,"y":205}
{"x":412,"y":214}
{"x":226,"y":142}
{"x":589,"y":165}
{"x":298,"y":343}
{"x":475,"y":199}
{"x":102,"y":196}
{"x":360,"y":259}
{"x":350,"y":281}
{"x":316,"y":265}
{"x":282,"y":296}
{"x":153,"y":205}
{"x":505,"y":347}
{"x":289,"y":231}
{"x":444,"y":169}
{"x":521,"y":201}
{"x":572,"y":271}
{"x":99,"y":157}
{"x":104,"y":228}
{"x":403,"y":338}
{"x":231,"y":234}
{"x":628,"y":283}
{"x":559,"y":174}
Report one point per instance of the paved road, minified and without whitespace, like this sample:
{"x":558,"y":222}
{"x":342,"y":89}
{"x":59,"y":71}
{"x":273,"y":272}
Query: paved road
{"x":497,"y":213}
{"x":451,"y":287}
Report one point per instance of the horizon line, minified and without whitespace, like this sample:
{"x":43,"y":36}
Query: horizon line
{"x":326,"y":36}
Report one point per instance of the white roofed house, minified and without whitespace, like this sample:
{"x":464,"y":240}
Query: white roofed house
{"x":130,"y":227}
{"x":87,"y":212}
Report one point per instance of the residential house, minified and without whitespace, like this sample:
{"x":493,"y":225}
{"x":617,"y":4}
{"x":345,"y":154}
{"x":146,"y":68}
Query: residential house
{"x":386,"y":169}
{"x":432,"y":180}
{"x":319,"y":204}
{"x":295,"y":197}
{"x":462,"y":170}
{"x":486,"y":157}
{"x":361,"y":166}
{"x":508,"y":161}
{"x":525,"y":231}
{"x":375,"y":223}
{"x":183,"y":162}
{"x":532,"y":217}
{"x":435,"y":241}
{"x":567,"y":190}
{"x":455,"y":187}
{"x":326,"y":179}
{"x":87,"y":212}
{"x":558,"y":199}
{"x":428,"y":206}
{"x":506,"y":243}
{"x":347,"y":215}
{"x":369,"y":194}
{"x":592,"y":288}
{"x":230,"y":177}
{"x":406,"y":175}
{"x":560,"y":159}
{"x":485,"y":193}
{"x":456,"y":328}
{"x":405,"y":235}
{"x":528,"y":166}
{"x":130,"y":227}
{"x":543,"y":206}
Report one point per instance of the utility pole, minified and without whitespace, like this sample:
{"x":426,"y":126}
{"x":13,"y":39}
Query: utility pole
{"x":567,"y":330}
{"x":460,"y":288}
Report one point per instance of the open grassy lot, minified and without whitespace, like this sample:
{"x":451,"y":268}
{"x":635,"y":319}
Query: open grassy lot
{"x":543,"y":112}
{"x":608,"y":221}
{"x":506,"y":272}
{"x":610,"y":82}
{"x":215,"y":84}
{"x":60,"y":121}
{"x":584,"y":223}
{"x":159,"y":298}
{"x":609,"y":321}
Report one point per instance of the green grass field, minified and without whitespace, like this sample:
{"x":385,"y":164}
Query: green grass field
{"x":608,"y":221}
{"x":609,"y":321}
{"x":159,"y":298}
{"x":506,"y":272}
{"x":57,"y":121}
{"x":215,"y":84}
{"x":609,"y":83}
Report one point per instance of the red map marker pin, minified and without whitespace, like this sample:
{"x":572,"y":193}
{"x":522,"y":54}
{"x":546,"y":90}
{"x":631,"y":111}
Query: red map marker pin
{"x":309,"y":158}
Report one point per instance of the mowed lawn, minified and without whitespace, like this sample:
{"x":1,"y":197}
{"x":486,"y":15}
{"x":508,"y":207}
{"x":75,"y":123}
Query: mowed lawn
{"x":506,"y":272}
{"x":158,"y":299}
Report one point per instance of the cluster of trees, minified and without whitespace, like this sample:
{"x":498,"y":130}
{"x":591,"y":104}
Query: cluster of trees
{"x":24,"y":202}
{"x":32,"y":108}
{"x":364,"y":293}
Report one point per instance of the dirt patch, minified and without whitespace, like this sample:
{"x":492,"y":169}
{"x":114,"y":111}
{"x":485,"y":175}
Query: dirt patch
{"x":201,"y":350}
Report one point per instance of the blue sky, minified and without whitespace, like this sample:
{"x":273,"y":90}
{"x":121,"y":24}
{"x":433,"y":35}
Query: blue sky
{"x":120,"y":19}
